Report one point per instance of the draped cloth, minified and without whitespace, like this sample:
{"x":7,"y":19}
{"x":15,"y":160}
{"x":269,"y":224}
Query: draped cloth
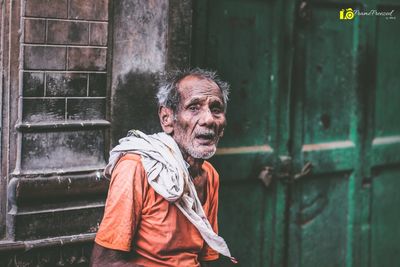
{"x":168,"y":174}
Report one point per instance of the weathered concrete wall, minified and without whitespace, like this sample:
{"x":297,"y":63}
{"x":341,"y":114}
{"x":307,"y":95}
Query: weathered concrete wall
{"x":140,"y":34}
{"x":139,"y":55}
{"x":73,"y":69}
{"x":149,"y":37}
{"x":179,"y":34}
{"x":64,"y":70}
{"x":54,"y":113}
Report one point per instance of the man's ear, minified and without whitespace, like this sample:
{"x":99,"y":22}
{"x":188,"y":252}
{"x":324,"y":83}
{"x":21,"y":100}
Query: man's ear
{"x":166,"y":116}
{"x":222,"y":133}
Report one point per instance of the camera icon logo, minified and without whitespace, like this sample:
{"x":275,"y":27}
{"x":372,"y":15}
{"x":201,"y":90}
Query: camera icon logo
{"x":346,"y":14}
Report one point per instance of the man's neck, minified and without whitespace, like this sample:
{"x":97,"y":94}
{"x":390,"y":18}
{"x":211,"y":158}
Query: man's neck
{"x":195,"y":165}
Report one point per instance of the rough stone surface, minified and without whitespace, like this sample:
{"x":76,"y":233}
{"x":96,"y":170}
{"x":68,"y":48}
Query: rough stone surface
{"x":35,"y":31}
{"x":49,"y":144}
{"x":40,"y":110}
{"x":179,"y":33}
{"x":98,"y":34}
{"x":139,"y":55}
{"x":67,"y":222}
{"x":46,"y":8}
{"x":89,"y":9}
{"x":33,"y":84}
{"x":66,"y":84}
{"x":66,"y":149}
{"x":44,"y":58}
{"x":97,"y":84}
{"x":145,"y":45}
{"x":87,"y":58}
{"x":67,"y":32}
{"x":95,"y":109}
{"x":134,"y":105}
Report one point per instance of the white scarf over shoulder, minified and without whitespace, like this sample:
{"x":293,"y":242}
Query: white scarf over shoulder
{"x":167,"y":173}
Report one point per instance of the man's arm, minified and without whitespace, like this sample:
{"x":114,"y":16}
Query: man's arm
{"x":121,"y":215}
{"x":105,"y":257}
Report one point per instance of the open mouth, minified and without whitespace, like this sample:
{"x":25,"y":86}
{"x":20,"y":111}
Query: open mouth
{"x":206,"y":137}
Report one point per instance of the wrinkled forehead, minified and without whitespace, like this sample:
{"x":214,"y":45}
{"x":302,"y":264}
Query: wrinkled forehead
{"x":195,"y":86}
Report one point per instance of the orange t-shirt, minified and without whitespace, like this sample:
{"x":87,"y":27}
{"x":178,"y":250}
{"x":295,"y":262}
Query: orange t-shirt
{"x":138,"y":219}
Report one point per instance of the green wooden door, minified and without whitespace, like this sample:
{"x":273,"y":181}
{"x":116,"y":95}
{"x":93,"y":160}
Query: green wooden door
{"x":383,"y":150}
{"x":307,"y":88}
{"x":346,"y":100}
{"x":239,"y":38}
{"x":325,"y":118}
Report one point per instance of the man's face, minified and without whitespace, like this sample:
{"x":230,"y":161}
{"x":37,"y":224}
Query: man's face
{"x":200,"y":117}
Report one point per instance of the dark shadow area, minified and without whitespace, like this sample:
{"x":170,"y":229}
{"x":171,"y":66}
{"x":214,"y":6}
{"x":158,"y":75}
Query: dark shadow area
{"x":134,"y":105}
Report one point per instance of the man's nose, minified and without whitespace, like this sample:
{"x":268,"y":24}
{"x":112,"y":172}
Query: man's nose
{"x":207,"y":118}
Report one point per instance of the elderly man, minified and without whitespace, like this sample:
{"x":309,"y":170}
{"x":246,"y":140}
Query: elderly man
{"x":162,"y":204}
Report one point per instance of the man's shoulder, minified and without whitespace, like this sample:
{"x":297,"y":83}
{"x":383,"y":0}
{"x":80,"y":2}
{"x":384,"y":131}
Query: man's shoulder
{"x":129,"y":169}
{"x":209,"y":167}
{"x":130,"y":159}
{"x":213,"y":175}
{"x":130,"y":156}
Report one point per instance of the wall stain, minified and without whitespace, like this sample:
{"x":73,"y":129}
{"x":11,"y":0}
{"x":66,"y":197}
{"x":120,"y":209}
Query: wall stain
{"x":134,"y":105}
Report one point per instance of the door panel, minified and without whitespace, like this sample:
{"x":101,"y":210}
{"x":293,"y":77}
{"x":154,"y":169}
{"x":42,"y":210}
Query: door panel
{"x":235,"y":37}
{"x":242,"y":226}
{"x":324,"y":122}
{"x":237,"y":44}
{"x":324,"y":91}
{"x":318,"y":229}
{"x":385,"y":216}
{"x":386,"y":143}
{"x":339,"y":112}
{"x":328,"y":64}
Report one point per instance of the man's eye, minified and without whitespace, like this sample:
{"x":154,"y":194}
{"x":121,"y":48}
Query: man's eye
{"x":193,"y":108}
{"x":216,"y":110}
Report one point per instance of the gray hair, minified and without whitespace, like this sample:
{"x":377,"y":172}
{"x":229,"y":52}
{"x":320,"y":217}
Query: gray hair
{"x":168,"y":95}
